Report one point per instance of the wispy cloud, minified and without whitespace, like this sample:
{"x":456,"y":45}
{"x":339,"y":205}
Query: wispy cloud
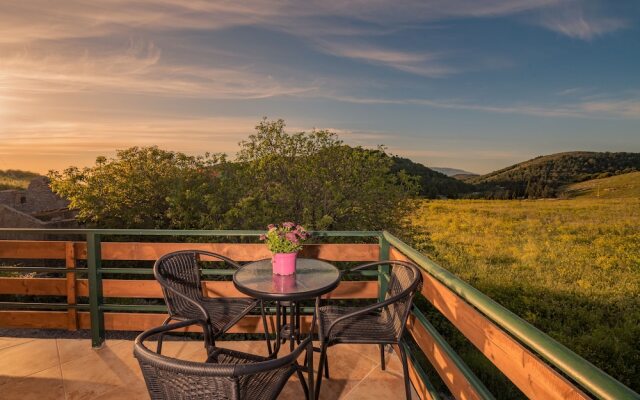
{"x":579,"y":20}
{"x":135,"y":69}
{"x":417,"y":62}
{"x":612,"y":108}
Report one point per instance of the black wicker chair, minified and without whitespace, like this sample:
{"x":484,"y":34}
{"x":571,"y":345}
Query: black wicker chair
{"x":382,"y":323}
{"x":226,"y":374}
{"x":179,"y":275}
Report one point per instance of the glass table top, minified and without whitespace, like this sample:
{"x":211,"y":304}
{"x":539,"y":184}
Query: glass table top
{"x":312,"y":278}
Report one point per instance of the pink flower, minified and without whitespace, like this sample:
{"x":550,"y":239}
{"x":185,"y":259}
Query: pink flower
{"x":291,"y":236}
{"x":271,"y":227}
{"x":263,"y":237}
{"x":288,"y":224}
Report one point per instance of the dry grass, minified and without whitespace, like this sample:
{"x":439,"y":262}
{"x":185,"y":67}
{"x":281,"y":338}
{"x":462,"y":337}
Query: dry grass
{"x":570,"y":267}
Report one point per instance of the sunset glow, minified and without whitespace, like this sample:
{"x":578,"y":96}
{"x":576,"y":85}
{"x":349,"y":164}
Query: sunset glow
{"x":474,"y":85}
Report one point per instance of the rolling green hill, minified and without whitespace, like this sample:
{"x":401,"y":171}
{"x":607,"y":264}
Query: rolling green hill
{"x":544,"y":176}
{"x":15,"y":179}
{"x":617,"y":186}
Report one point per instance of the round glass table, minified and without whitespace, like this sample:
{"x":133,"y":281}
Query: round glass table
{"x":312,"y":279}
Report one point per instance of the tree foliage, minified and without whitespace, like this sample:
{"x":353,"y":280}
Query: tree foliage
{"x":312,"y":178}
{"x":136,"y":189}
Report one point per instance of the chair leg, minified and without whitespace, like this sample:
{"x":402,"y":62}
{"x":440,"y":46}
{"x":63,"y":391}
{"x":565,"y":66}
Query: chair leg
{"x":266,"y":327}
{"x":310,"y":371}
{"x":405,"y":370}
{"x":326,"y":366}
{"x":161,"y":336}
{"x":323,"y":360}
{"x":303,"y":382}
{"x":382,"y":364}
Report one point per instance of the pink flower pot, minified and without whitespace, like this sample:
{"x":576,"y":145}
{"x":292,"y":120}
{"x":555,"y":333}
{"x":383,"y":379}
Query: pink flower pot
{"x":283,"y":283}
{"x":284,"y":263}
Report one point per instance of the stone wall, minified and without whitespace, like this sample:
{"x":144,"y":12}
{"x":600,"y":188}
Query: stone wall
{"x":13,"y":198}
{"x":36,"y":198}
{"x":39,"y":197}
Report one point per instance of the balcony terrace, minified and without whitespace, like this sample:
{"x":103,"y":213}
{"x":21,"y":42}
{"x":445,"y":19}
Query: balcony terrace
{"x":101,"y":281}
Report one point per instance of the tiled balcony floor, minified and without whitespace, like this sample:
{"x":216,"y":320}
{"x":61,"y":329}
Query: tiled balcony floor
{"x":70,"y":369}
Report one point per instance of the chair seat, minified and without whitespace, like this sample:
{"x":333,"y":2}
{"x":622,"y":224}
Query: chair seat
{"x":372,"y":327}
{"x":261,"y":386}
{"x":227,"y":310}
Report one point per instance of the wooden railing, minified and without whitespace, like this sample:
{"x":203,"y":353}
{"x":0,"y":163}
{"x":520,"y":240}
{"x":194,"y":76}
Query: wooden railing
{"x":540,"y":367}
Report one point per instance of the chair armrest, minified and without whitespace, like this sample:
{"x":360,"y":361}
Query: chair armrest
{"x":165,"y":328}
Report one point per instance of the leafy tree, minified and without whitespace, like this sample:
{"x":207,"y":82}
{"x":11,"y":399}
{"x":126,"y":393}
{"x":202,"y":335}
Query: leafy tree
{"x":136,"y":189}
{"x":311,"y":178}
{"x":314,"y":179}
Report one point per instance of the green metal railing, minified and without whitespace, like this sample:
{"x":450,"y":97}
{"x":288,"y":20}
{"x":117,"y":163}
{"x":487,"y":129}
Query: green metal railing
{"x":596,"y":382}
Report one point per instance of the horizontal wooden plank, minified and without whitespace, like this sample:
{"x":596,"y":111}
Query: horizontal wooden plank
{"x":143,"y":321}
{"x":21,"y":249}
{"x":441,"y":362}
{"x":34,"y":286}
{"x":235,"y":251}
{"x":151,"y":289}
{"x":32,"y":249}
{"x":122,"y":321}
{"x":535,"y":378}
{"x":33,"y":319}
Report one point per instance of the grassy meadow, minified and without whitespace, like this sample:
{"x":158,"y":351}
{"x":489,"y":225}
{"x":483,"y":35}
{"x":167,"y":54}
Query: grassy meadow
{"x":569,"y":267}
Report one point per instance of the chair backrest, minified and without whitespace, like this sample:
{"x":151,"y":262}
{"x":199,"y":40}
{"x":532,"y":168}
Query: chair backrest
{"x":179,"y":276}
{"x":405,"y":281}
{"x":170,"y":378}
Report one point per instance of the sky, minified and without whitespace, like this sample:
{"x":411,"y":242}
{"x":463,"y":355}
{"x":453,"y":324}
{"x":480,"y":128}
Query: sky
{"x":469,"y":84}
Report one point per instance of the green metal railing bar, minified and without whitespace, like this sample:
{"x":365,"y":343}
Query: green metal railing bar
{"x":471,"y":378}
{"x":596,"y":381}
{"x":94,"y":260}
{"x":42,"y":306}
{"x":421,"y":373}
{"x":39,"y":269}
{"x":383,"y":270}
{"x":176,"y":232}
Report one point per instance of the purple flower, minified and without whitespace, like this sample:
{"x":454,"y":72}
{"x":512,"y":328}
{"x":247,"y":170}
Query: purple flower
{"x":288,"y":224}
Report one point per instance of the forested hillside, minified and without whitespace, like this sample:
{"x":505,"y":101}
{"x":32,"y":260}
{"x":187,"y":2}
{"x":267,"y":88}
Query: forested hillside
{"x":433,"y":184}
{"x":544,"y":176}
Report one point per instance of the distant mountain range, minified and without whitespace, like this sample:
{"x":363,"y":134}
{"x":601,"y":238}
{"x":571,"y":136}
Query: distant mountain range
{"x":453,"y":172}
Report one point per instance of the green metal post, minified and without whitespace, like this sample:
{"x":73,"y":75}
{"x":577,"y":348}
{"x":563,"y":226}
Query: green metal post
{"x":94,"y":261}
{"x":383,"y":270}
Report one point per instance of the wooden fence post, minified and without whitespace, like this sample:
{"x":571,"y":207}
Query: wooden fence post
{"x":70,"y":263}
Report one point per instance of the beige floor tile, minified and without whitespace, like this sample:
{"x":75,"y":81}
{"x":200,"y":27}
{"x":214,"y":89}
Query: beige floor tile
{"x":381,"y":385}
{"x":106,"y":369}
{"x":72,"y":349}
{"x":43,"y":385}
{"x":191,"y":350}
{"x":133,"y":392}
{"x":35,"y":371}
{"x":28,"y":358}
{"x":10,"y":341}
{"x":346,"y":368}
